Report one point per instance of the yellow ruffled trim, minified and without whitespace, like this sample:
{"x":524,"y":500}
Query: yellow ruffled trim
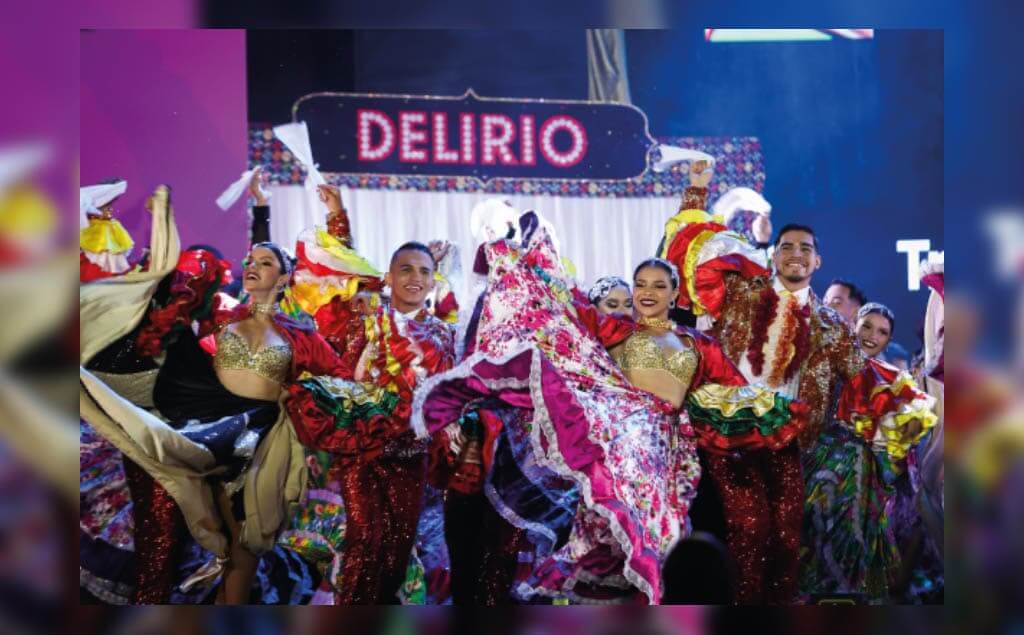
{"x":311,"y":296}
{"x":105,"y":235}
{"x":690,"y":266}
{"x":903,"y":380}
{"x":682,"y":219}
{"x":352,"y":261}
{"x":892,"y":427}
{"x":393,"y":367}
{"x":731,"y":399}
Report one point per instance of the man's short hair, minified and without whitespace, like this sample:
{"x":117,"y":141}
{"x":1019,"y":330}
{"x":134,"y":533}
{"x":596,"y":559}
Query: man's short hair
{"x":413,"y":245}
{"x":796,"y":227}
{"x":852,"y":289}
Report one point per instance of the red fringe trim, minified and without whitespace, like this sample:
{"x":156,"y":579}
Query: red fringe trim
{"x":759,"y":329}
{"x":802,"y":343}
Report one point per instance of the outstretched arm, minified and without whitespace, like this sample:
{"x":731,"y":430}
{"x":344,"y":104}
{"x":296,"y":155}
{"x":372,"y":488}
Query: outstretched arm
{"x":259,"y":231}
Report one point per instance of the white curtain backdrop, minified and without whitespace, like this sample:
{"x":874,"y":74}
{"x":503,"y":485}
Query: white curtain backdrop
{"x":601,"y":236}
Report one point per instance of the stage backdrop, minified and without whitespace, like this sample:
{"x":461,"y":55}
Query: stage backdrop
{"x":605,"y":227}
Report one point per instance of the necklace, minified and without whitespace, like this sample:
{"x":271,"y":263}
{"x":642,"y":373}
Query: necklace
{"x":263,"y":310}
{"x":657,"y":323}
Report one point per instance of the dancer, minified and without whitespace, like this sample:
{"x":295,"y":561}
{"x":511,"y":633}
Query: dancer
{"x":780,"y":336}
{"x":849,"y":544}
{"x":612,"y":296}
{"x":339,"y":288}
{"x":599,"y":473}
{"x":361,"y":420}
{"x":189,"y":460}
{"x":104,"y":245}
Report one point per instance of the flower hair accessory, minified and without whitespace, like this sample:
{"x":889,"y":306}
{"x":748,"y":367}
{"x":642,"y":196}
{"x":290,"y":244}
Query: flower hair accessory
{"x":603,"y":286}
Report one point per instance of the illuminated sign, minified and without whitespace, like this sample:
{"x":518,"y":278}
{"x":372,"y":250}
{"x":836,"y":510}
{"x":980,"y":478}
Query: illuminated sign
{"x":474,"y":137}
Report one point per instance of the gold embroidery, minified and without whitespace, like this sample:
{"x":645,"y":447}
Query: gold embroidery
{"x":233,"y":353}
{"x":641,"y":351}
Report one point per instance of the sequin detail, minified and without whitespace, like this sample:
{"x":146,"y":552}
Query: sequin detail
{"x":763,"y":498}
{"x":641,"y":351}
{"x":233,"y":353}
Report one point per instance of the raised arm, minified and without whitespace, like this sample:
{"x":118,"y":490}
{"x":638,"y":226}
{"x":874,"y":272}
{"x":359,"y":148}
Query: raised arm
{"x":704,"y":251}
{"x":337,"y":217}
{"x":259,"y":231}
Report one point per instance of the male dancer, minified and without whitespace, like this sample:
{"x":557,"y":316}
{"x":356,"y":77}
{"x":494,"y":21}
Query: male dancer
{"x":387,"y":350}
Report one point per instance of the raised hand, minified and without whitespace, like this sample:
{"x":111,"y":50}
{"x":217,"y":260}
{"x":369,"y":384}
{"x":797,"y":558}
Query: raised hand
{"x":700,"y":175}
{"x":330,"y":196}
{"x":439,"y":249}
{"x":256,"y":187}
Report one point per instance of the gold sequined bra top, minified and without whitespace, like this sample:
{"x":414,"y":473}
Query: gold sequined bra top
{"x":271,"y":362}
{"x":642,"y":352}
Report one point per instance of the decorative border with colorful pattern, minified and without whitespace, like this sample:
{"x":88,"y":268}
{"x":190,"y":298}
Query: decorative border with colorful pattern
{"x":739,"y":162}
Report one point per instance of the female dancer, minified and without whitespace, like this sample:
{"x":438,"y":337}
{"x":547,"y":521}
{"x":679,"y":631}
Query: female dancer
{"x":849,"y":546}
{"x":189,"y":462}
{"x":599,"y":473}
{"x":611,"y":296}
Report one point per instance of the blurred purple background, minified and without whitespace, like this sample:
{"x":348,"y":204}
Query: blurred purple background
{"x":167,"y":106}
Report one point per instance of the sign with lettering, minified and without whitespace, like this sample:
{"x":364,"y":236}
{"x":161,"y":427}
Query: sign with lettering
{"x":473,"y":136}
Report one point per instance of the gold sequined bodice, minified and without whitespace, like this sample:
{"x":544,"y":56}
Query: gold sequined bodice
{"x":271,"y":362}
{"x":642,"y":352}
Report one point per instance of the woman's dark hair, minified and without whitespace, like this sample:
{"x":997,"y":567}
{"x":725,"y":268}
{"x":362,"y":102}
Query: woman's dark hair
{"x":880,"y":309}
{"x":662,"y":264}
{"x":283,"y":259}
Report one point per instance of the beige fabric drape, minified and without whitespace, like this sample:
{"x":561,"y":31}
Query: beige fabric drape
{"x":276,"y":479}
{"x":111,"y":307}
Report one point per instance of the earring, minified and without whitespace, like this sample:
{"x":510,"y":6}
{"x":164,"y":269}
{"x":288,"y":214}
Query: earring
{"x":672,"y":304}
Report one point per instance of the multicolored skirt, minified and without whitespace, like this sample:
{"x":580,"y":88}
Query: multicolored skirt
{"x":848,"y":546}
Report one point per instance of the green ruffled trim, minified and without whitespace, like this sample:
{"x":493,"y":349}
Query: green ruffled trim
{"x":345,"y":417}
{"x":744,"y":420}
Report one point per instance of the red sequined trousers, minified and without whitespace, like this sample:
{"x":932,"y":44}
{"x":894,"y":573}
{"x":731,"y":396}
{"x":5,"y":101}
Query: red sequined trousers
{"x":383,"y":500}
{"x":762,"y":495}
{"x":159,"y":526}
{"x":483,"y":548}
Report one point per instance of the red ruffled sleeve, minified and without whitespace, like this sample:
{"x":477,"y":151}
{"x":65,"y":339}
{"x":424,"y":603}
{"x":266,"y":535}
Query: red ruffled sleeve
{"x":704,"y":252}
{"x":609,"y":329}
{"x":714,"y":366}
{"x":310,"y":351}
{"x":879,"y":402}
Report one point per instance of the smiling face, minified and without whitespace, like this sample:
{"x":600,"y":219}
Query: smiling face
{"x":616,"y":302}
{"x":653,"y":292}
{"x":262,"y":274}
{"x":796,"y":258}
{"x":873,"y":333}
{"x":411,"y":278}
